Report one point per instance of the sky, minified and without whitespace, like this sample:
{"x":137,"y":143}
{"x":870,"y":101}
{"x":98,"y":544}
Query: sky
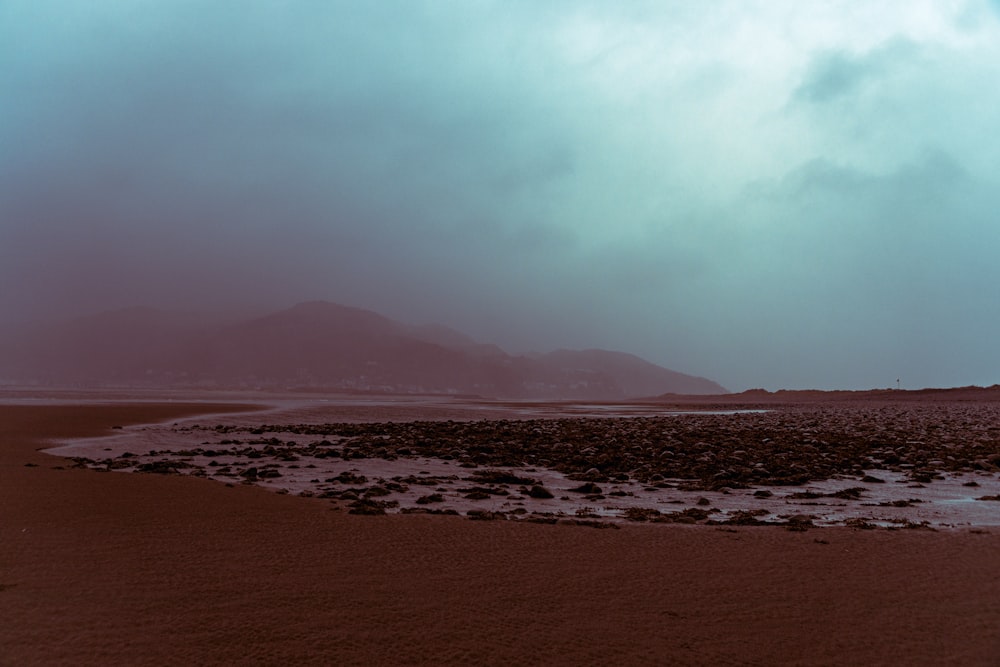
{"x":775,"y":194}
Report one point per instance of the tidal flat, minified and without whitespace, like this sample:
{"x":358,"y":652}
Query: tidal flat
{"x":101,"y":567}
{"x":894,"y":465}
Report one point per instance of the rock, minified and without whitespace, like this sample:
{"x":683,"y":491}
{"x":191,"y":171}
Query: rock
{"x":799,"y":522}
{"x":540,"y":492}
{"x":589,"y":488}
{"x":744,"y":518}
{"x":348,"y":478}
{"x":499,"y":477}
{"x":640,"y":514}
{"x":853,"y":493}
{"x":370,"y":507}
{"x":162,"y":467}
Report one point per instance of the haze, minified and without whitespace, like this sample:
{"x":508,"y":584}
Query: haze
{"x":776,"y":194}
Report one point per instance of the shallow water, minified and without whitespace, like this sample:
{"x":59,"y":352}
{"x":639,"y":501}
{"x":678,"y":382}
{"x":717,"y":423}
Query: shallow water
{"x":948,"y":501}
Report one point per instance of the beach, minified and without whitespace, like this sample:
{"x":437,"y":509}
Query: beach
{"x":108,"y":568}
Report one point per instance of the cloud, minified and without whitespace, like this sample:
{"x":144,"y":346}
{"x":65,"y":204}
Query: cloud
{"x":832,"y":76}
{"x":897,"y":262}
{"x":725,"y":188}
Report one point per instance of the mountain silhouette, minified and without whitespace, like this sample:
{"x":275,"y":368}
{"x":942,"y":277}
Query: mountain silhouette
{"x":319,"y":345}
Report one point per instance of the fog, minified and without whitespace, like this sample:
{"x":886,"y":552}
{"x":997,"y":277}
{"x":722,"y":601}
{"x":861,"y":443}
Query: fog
{"x":770,"y":194}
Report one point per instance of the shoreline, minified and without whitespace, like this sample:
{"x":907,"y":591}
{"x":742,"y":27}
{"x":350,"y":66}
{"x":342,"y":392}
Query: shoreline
{"x":150,"y":569}
{"x":465,"y":463}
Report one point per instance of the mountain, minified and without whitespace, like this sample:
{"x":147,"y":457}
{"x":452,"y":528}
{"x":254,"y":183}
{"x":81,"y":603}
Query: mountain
{"x":635,"y":376}
{"x":320,"y":345}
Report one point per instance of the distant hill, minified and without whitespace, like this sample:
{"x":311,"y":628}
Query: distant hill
{"x":320,"y":345}
{"x":762,"y":397}
{"x":635,"y":376}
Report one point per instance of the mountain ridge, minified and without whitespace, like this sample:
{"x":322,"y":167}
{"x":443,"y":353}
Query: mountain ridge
{"x":320,"y":344}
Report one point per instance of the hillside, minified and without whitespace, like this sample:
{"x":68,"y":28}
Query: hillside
{"x":319,"y":345}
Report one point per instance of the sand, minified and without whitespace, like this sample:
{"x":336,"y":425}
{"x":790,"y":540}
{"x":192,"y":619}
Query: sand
{"x":108,"y":568}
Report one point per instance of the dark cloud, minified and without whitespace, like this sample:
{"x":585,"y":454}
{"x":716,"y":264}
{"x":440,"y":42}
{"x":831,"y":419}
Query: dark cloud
{"x":888,"y":262}
{"x":834,"y":75}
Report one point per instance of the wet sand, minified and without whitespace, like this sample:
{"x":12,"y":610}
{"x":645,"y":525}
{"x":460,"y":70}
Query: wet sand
{"x":929,"y":465}
{"x":107,"y":568}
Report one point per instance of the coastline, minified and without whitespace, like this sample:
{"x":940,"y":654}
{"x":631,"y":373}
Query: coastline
{"x":152,"y":569}
{"x":593,"y":464}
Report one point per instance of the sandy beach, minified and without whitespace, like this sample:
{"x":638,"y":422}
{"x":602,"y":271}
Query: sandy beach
{"x":109,"y":568}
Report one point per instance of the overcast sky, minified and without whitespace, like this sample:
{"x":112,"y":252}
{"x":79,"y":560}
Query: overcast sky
{"x":776,"y":194}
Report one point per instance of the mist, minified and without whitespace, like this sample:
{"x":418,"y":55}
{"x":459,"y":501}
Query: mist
{"x":774,"y":194}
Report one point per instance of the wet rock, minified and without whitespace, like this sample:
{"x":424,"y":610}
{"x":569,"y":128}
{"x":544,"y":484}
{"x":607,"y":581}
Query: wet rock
{"x":743,"y":518}
{"x":540,"y":492}
{"x":486,"y":490}
{"x":900,"y":503}
{"x":594,"y":475}
{"x":347,"y":478}
{"x":640,"y":514}
{"x":689,"y":516}
{"x":853,"y":493}
{"x":799,"y":522}
{"x":499,"y":477}
{"x":370,"y":507}
{"x":591,"y":523}
{"x":162,"y":467}
{"x":541,"y":519}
